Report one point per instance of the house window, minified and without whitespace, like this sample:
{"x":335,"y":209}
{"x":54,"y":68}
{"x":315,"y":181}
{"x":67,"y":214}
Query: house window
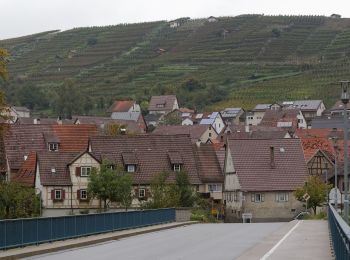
{"x":142,"y":193}
{"x":282,"y":197}
{"x":214,"y":187}
{"x":209,"y":134}
{"x":300,"y":121}
{"x":85,"y":171}
{"x":177,"y":167}
{"x":235,"y":196}
{"x":58,"y":194}
{"x":83,"y":194}
{"x":131,"y":168}
{"x":257,"y":197}
{"x":250,"y":118}
{"x":53,"y":146}
{"x":160,"y":105}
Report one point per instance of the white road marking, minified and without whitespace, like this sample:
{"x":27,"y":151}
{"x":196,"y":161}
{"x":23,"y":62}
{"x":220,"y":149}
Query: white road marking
{"x":268,"y":254}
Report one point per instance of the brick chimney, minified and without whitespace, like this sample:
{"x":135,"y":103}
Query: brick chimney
{"x":272,"y":157}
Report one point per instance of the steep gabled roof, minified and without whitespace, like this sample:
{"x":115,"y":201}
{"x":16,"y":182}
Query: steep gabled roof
{"x":151,"y":152}
{"x":121,"y":106}
{"x":208,"y":164}
{"x":26,"y":175}
{"x":252,"y":163}
{"x":53,"y":168}
{"x":167,"y":102}
{"x":280,"y":118}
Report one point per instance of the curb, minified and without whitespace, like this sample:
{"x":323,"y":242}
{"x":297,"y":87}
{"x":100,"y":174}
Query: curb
{"x":38,"y":251}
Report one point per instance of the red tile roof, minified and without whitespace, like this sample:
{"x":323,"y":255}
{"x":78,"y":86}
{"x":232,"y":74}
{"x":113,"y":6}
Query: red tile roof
{"x":251,"y":159}
{"x":272,"y":117}
{"x":26,"y":175}
{"x":152,"y":153}
{"x":121,"y":106}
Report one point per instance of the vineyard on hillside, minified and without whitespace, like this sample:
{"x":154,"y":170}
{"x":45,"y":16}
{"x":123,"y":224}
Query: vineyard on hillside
{"x":236,"y":61}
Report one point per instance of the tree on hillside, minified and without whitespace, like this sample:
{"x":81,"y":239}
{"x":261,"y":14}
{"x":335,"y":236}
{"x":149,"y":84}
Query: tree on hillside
{"x":17,"y":201}
{"x":317,"y":190}
{"x":3,"y":63}
{"x":110,"y":185}
{"x":68,"y":100}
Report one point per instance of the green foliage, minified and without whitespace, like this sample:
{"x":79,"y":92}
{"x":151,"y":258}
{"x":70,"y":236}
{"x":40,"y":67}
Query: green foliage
{"x":293,"y":57}
{"x":110,"y":185}
{"x":114,"y":129}
{"x":165,"y":194}
{"x":32,"y":97}
{"x":203,"y":215}
{"x":3,"y":61}
{"x":68,"y":100}
{"x":317,"y":191}
{"x":173,"y":118}
{"x":321,"y":215}
{"x":17,"y":201}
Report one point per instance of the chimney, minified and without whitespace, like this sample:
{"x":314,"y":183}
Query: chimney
{"x":272,"y":157}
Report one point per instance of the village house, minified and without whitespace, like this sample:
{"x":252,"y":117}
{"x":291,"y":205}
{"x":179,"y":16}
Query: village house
{"x":309,"y":108}
{"x":284,"y":118}
{"x":260,"y":178}
{"x":198,"y":133}
{"x":337,"y":109}
{"x":145,"y":156}
{"x":163,"y":104}
{"x":233,"y":116}
{"x":22,"y":140}
{"x":255,"y":116}
{"x":215,"y":120}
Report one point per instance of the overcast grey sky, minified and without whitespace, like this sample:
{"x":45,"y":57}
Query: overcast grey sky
{"x":22,"y":17}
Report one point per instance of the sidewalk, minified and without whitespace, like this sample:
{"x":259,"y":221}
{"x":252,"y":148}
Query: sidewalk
{"x":84,"y":241}
{"x":306,"y":239}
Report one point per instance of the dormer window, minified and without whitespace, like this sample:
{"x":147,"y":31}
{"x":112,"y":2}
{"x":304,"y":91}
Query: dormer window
{"x":53,"y":147}
{"x":177,"y":167}
{"x":160,"y":105}
{"x":131,"y":168}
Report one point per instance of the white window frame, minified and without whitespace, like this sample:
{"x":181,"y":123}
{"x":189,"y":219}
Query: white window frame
{"x":160,"y":105}
{"x":177,"y":167}
{"x":85,"y":197}
{"x":282,"y":197}
{"x":53,"y":147}
{"x":131,"y":168}
{"x":258,"y":197}
{"x":85,"y":171}
{"x":142,"y":193}
{"x":58,"y":192}
{"x":218,"y":187}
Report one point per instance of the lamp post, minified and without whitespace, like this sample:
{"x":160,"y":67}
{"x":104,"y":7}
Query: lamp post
{"x":345,"y":99}
{"x":334,"y":139}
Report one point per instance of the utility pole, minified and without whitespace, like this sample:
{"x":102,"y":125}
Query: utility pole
{"x":345,"y":99}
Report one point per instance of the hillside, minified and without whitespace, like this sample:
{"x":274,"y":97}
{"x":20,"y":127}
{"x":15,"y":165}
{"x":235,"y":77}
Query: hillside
{"x":236,"y":61}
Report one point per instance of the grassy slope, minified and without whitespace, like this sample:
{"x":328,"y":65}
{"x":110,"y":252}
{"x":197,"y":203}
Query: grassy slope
{"x":306,"y":59}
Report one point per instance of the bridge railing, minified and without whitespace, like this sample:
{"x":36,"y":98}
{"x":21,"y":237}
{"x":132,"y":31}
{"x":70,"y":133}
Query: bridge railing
{"x":29,"y":231}
{"x":340,"y":232}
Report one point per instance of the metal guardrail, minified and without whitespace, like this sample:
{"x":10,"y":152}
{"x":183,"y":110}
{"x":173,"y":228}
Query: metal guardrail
{"x":340,"y":232}
{"x":22,"y":232}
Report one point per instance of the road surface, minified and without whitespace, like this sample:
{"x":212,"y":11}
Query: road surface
{"x":201,"y":241}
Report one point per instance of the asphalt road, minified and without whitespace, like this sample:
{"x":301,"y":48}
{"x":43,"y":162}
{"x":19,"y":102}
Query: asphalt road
{"x":201,"y":241}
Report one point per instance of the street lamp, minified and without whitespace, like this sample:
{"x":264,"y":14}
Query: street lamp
{"x":334,"y":139}
{"x":345,"y":99}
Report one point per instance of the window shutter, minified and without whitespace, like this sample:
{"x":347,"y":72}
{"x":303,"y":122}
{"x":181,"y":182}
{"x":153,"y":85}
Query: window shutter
{"x":262,"y":197}
{"x":253,"y":197}
{"x":276,"y":197}
{"x":287,"y":197}
{"x":53,"y":194}
{"x":147,"y":193}
{"x":137,"y":192}
{"x":78,"y":194}
{"x":63,"y":194}
{"x":77,"y":171}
